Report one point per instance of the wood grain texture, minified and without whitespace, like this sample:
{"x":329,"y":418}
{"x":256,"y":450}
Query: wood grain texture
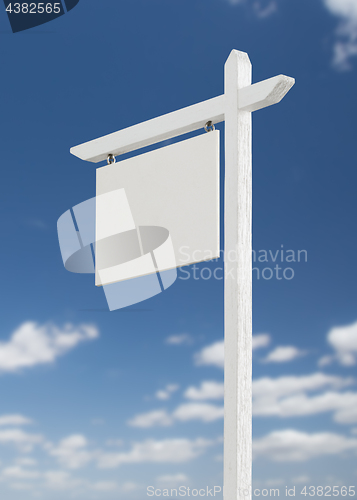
{"x":238,"y":283}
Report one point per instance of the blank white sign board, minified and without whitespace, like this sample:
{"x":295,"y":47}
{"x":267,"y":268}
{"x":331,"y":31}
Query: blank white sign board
{"x":175,"y":188}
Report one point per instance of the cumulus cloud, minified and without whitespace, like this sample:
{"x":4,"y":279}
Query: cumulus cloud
{"x":172,"y":480}
{"x":261,"y":8}
{"x":288,"y":396}
{"x":17,"y":472}
{"x":291,"y":445}
{"x":166,"y":393}
{"x":346,"y":34}
{"x":303,"y":479}
{"x":209,"y":389}
{"x":14,"y":420}
{"x":158,"y":418}
{"x":32,"y":344}
{"x":179,"y":339}
{"x":22,"y":440}
{"x":151,"y":451}
{"x":292,"y":384}
{"x":213,"y":355}
{"x":60,"y":480}
{"x":343,"y":405}
{"x":72,"y":452}
{"x":260,"y":340}
{"x":283,"y":397}
{"x":198,"y":411}
{"x":282,"y":354}
{"x":183,"y":413}
{"x":343,"y":339}
{"x":105,"y":486}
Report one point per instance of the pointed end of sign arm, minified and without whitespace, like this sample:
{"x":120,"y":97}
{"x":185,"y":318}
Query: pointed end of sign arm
{"x":265,"y":93}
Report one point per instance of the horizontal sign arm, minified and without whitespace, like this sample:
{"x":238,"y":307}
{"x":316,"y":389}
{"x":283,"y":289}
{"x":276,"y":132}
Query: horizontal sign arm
{"x":158,"y":129}
{"x":184,"y":120}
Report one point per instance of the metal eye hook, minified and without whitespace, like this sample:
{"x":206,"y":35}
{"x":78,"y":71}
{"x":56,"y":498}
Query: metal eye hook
{"x":111,"y":159}
{"x":209,"y":127}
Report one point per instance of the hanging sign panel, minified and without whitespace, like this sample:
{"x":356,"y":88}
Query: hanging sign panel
{"x":158,"y":211}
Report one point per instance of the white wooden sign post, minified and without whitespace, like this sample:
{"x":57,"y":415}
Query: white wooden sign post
{"x":235,"y":106}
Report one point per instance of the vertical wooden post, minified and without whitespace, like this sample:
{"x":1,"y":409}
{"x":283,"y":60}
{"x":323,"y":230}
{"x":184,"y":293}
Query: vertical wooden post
{"x":238,"y":283}
{"x":240,"y":99}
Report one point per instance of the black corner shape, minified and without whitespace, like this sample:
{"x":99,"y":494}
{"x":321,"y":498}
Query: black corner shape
{"x":25,"y":15}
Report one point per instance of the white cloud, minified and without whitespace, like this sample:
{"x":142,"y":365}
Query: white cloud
{"x":287,"y":396}
{"x":32,"y":344}
{"x":343,"y":339}
{"x":211,"y":355}
{"x":303,"y":479}
{"x":214,"y":353}
{"x":343,"y":8}
{"x":346,"y":408}
{"x":17,"y":472}
{"x":325,"y":361}
{"x":261,"y":8}
{"x":179,"y":339}
{"x":153,"y":418}
{"x":165,"y":394}
{"x":291,"y":445}
{"x":260,"y":340}
{"x":22,"y":440}
{"x":209,"y":389}
{"x":72,"y":452}
{"x":198,"y":411}
{"x":343,"y":405}
{"x":151,"y":451}
{"x":14,"y":420}
{"x":292,"y":384}
{"x":60,"y":480}
{"x":105,"y":486}
{"x":282,"y":354}
{"x":346,"y":43}
{"x":183,"y":413}
{"x":263,"y":11}
{"x":172,"y":480}
{"x":282,"y":397}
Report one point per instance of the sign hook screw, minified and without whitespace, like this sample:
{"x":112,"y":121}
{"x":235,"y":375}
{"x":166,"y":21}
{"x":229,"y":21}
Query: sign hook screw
{"x":111,"y":159}
{"x":209,"y":127}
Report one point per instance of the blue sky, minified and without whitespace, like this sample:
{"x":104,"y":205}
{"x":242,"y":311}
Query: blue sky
{"x":101,"y":405}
